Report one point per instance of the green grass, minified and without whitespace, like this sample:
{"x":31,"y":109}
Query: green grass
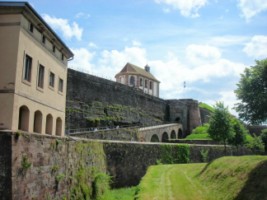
{"x":226,"y":178}
{"x":120,"y":194}
{"x":200,"y":136}
{"x":206,"y":106}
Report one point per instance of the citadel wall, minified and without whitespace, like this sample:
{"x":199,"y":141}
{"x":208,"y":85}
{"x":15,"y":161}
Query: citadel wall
{"x":94,"y":101}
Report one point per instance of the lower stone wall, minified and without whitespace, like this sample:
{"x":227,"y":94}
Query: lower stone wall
{"x":5,"y":166}
{"x":127,"y":162}
{"x":35,"y":166}
{"x":46,"y":167}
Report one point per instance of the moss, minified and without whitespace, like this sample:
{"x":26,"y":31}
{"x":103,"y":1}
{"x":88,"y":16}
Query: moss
{"x":25,"y":164}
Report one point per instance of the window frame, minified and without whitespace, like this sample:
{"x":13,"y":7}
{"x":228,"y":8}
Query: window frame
{"x":41,"y":76}
{"x":27,"y":69}
{"x":60,"y":85}
{"x":53,"y":76}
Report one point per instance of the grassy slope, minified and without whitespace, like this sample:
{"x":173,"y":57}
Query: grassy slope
{"x":200,"y":136}
{"x":225,"y":178}
{"x":120,"y":194}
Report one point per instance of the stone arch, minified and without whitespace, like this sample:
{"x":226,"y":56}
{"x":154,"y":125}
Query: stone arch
{"x":24,"y":116}
{"x":132,"y":80}
{"x":173,"y":134}
{"x":165,"y":137}
{"x":49,"y":124}
{"x":154,"y":138}
{"x":59,"y":126}
{"x":37,"y":123}
{"x":180,"y":133}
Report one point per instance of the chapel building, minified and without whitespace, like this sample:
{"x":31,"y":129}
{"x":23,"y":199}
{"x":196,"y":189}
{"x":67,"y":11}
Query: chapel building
{"x":137,"y":77}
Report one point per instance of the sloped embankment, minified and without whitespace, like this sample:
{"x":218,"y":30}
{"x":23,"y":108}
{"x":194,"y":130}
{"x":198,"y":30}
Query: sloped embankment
{"x":226,"y":178}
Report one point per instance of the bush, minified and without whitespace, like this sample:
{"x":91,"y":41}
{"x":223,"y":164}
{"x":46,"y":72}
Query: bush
{"x":256,"y":145}
{"x":264,"y":138}
{"x":171,"y":154}
{"x":201,"y":129}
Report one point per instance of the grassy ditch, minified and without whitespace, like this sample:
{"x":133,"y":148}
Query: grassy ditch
{"x":225,"y":178}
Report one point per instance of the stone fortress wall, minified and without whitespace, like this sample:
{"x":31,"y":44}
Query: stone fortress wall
{"x":94,"y":101}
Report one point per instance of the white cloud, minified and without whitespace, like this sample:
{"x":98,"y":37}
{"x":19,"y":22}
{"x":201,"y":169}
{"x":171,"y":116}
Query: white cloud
{"x":136,"y":43}
{"x":228,"y":40}
{"x":82,"y":60}
{"x":82,"y":15}
{"x":68,"y":30}
{"x":250,"y":8}
{"x":229,"y":99}
{"x":188,"y":8}
{"x":256,"y":47}
{"x":92,"y":45}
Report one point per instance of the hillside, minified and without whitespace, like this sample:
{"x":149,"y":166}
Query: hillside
{"x":225,"y":178}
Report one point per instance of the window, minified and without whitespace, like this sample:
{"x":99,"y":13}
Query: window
{"x":145,"y":83}
{"x":27,"y":68}
{"x":31,"y":27}
{"x":43,"y":39}
{"x":141,"y":82}
{"x":62,"y":56}
{"x":60,"y":85}
{"x":150,"y":85}
{"x":52,"y":79}
{"x":41,"y":72}
{"x":132,"y":80}
{"x":54,"y":48}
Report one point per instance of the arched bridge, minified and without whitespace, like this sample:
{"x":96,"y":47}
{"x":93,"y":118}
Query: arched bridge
{"x":161,"y":133}
{"x":158,"y":133}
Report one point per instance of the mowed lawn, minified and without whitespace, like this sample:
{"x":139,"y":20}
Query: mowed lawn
{"x":226,"y":178}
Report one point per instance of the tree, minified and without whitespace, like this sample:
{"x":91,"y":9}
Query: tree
{"x":220,"y":128}
{"x":252,"y":92}
{"x":264,"y":139}
{"x":239,"y":131}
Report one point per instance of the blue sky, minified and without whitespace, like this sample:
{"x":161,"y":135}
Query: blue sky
{"x":206,"y":43}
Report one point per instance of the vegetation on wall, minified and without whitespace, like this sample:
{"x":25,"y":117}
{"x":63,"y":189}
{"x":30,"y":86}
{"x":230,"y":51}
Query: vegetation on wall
{"x":171,"y":154}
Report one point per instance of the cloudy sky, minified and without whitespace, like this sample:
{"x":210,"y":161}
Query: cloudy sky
{"x":205,"y":43}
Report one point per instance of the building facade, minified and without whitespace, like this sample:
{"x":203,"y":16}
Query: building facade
{"x":137,"y":77}
{"x":33,"y":66}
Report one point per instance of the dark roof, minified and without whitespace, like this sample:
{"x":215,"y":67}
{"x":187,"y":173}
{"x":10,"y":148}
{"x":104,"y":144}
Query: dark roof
{"x":135,"y":70}
{"x":27,"y":10}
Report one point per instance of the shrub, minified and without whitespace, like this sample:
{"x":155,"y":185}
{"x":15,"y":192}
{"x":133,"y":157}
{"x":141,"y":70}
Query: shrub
{"x":264,"y":138}
{"x":256,"y":145}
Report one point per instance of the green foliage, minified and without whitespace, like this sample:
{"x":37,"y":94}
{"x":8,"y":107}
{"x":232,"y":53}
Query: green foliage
{"x":204,"y":136}
{"x":206,"y":106}
{"x":199,"y":133}
{"x":240,"y":132}
{"x":100,"y":185}
{"x":171,"y":154}
{"x":54,"y":169}
{"x":256,"y":145}
{"x":220,"y":128}
{"x":264,"y":138}
{"x":204,"y":155}
{"x":59,"y":177}
{"x":252,"y":92}
{"x":25,"y":164}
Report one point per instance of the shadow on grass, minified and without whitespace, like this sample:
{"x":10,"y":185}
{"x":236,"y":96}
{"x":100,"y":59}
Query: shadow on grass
{"x":256,"y":186}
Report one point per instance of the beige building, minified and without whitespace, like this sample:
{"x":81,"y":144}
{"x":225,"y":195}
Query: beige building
{"x":137,"y":77}
{"x":33,"y":72}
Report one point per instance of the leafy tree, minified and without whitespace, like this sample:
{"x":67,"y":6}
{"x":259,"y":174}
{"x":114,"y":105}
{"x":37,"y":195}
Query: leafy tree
{"x":220,"y":128}
{"x":240,"y":132}
{"x":264,"y":139}
{"x":252,"y":92}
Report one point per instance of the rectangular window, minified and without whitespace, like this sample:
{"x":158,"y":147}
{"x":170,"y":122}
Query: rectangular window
{"x":54,"y":48}
{"x":31,"y":27}
{"x":41,"y":72}
{"x":43,"y":39}
{"x":60,"y":85}
{"x":52,"y":79}
{"x":62,"y":56}
{"x":27,"y":68}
